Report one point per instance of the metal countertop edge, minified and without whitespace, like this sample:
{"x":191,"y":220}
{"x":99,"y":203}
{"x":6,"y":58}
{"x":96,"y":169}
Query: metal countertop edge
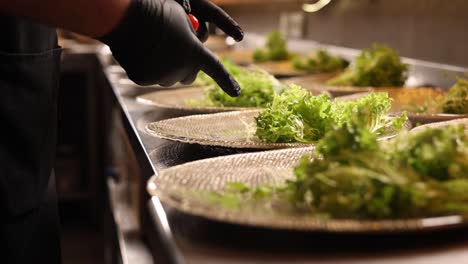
{"x":157,"y":212}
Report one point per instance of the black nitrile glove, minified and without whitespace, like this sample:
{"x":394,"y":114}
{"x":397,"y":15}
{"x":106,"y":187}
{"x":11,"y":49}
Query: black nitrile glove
{"x":205,"y":11}
{"x":156,"y":44}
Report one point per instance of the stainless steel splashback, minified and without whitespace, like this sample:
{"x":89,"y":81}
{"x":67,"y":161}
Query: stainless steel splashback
{"x":431,"y":30}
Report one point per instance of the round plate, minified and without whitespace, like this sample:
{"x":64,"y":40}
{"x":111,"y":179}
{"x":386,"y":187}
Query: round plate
{"x":231,"y":129}
{"x":317,"y":86}
{"x":280,"y":69}
{"x":277,"y":68}
{"x":418,"y":96}
{"x":177,"y":100}
{"x":312,"y":83}
{"x":461,"y":121}
{"x":403,"y":98}
{"x":237,"y":56}
{"x":183,"y":187}
{"x":422,"y":119}
{"x":129,"y":83}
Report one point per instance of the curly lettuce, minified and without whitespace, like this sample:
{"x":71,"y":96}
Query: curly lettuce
{"x":298,"y":116}
{"x":416,"y":174}
{"x":351,"y":175}
{"x":274,"y":50}
{"x":321,"y":62}
{"x":257,"y":88}
{"x":295,"y":116}
{"x":440,"y":154}
{"x":456,"y":100}
{"x":378,"y":66}
{"x":374,"y":110}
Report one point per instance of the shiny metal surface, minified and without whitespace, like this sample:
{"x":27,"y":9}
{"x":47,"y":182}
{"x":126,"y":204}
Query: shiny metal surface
{"x":132,"y":248}
{"x":162,"y":225}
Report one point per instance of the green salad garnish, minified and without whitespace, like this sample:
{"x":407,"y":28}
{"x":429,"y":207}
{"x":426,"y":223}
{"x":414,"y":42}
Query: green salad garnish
{"x":321,"y":62}
{"x":298,"y":116}
{"x":456,"y":101}
{"x":377,"y":67}
{"x":257,"y":88}
{"x":440,"y":154}
{"x":365,"y":179}
{"x":352,"y":175}
{"x":274,"y":50}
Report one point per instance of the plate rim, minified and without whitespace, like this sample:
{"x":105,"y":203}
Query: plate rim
{"x":456,"y":116}
{"x":355,"y":226}
{"x":330,"y":226}
{"x":245,"y":145}
{"x":207,"y":109}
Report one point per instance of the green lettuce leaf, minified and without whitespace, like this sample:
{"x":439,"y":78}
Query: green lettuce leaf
{"x":378,"y":66}
{"x":321,"y":62}
{"x":298,"y":116}
{"x":274,"y":50}
{"x":456,"y":101}
{"x":257,"y":88}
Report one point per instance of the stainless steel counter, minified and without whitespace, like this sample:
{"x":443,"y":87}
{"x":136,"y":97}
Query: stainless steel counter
{"x":175,"y":237}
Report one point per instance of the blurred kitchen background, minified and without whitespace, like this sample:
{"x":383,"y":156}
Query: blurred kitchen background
{"x":432,"y":30}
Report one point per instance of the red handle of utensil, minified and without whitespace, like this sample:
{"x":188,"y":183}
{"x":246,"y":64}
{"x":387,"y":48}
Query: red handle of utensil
{"x":194,"y":21}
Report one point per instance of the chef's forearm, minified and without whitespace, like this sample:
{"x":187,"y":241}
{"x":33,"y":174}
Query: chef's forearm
{"x":89,"y":17}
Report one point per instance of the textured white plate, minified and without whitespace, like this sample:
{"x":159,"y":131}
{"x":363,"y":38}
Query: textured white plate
{"x":183,"y":187}
{"x":231,"y":129}
{"x":178,"y":99}
{"x":405,"y":97}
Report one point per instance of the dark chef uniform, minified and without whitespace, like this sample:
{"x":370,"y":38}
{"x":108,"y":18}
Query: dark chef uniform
{"x":29,"y":70}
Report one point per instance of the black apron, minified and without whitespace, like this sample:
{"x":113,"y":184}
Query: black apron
{"x":29,"y":71}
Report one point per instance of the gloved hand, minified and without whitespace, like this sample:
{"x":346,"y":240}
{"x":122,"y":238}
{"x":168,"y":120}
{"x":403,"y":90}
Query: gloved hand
{"x":205,"y":11}
{"x":156,"y":44}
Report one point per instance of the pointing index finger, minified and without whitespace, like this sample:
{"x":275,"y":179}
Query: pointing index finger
{"x":213,"y":67}
{"x":208,"y":11}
